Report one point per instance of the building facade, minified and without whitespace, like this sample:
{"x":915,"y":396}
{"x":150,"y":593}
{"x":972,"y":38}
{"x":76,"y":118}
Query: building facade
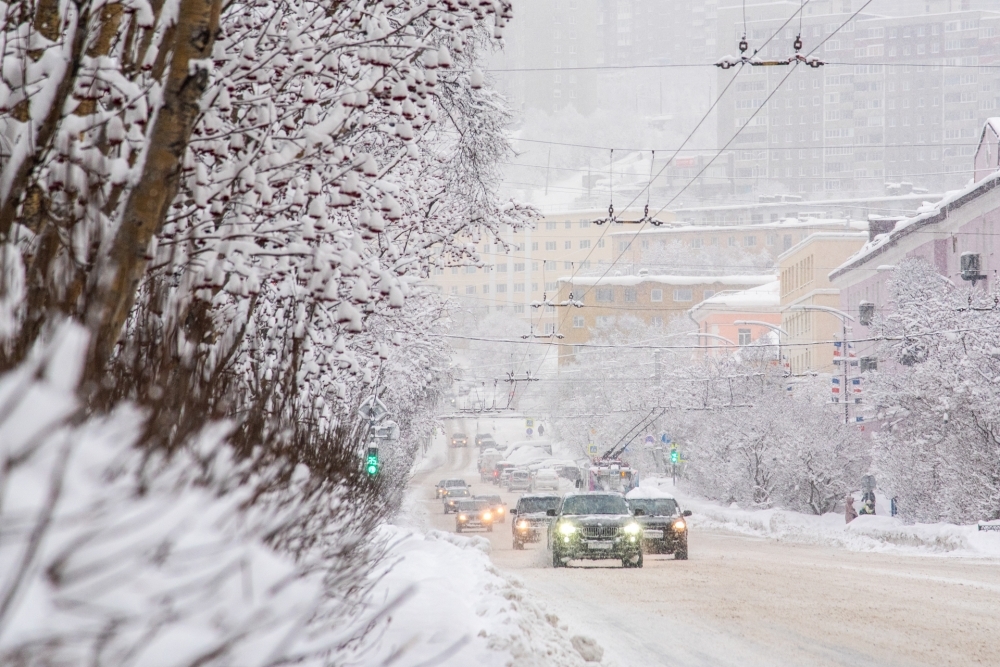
{"x":734,"y":319}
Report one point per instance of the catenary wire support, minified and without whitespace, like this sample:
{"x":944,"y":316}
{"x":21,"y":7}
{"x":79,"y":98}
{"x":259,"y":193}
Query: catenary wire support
{"x":611,"y":219}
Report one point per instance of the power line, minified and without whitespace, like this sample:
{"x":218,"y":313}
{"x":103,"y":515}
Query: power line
{"x":599,"y":68}
{"x":775,"y":148}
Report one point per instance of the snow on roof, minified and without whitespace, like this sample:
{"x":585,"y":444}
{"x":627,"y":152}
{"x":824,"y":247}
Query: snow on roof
{"x":632,"y":281}
{"x":928,"y":214}
{"x":765,"y":295}
{"x":821,"y":236}
{"x":647,"y":493}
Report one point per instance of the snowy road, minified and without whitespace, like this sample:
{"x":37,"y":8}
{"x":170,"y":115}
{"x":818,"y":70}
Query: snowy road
{"x":745,"y":601}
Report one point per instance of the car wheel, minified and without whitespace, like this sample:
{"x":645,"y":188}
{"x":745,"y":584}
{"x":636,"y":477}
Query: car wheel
{"x":681,"y":554}
{"x":458,"y":529}
{"x":489,"y":529}
{"x":638,"y":563}
{"x":518,"y":546}
{"x":557,"y":561}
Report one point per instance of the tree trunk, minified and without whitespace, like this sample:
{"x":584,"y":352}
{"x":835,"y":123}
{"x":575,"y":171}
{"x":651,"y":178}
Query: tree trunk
{"x":150,"y":199}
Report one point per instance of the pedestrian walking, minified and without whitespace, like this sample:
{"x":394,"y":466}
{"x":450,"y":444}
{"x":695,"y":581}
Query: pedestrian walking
{"x":850,"y":514}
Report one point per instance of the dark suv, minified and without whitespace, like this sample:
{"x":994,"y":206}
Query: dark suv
{"x":459,"y":440}
{"x":530,"y":520}
{"x":595,"y":526}
{"x":664,"y":530}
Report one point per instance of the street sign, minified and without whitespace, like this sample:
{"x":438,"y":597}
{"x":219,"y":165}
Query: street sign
{"x":592,"y":449}
{"x":529,"y":422}
{"x":528,"y":431}
{"x":373,"y":409}
{"x":650,"y":439}
{"x":665,"y":438}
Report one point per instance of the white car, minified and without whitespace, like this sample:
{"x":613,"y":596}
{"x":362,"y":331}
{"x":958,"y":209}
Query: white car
{"x":546,"y":479}
{"x":519,"y":481}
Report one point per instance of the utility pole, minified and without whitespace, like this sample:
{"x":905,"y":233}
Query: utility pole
{"x":548,"y":162}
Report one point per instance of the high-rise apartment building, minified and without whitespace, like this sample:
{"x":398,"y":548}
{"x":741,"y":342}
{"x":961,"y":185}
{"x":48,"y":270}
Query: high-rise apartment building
{"x":901,"y":98}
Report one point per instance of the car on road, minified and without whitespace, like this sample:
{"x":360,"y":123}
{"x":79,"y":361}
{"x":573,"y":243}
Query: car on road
{"x":487,"y":464}
{"x":501,"y":472}
{"x":664,"y":530}
{"x":454,"y":495}
{"x":497,"y":506}
{"x":473,"y":513}
{"x":530,"y":520}
{"x":442,"y":487}
{"x":483,"y":438}
{"x":595,"y":526}
{"x":545,"y":479}
{"x":520,"y":480}
{"x":459,"y":440}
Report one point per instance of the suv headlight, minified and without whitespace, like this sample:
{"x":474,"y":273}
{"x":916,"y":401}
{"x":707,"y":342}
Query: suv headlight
{"x":679,"y":525}
{"x":567,"y":529}
{"x":632,"y":528}
{"x":462,"y":517}
{"x":487,"y":516}
{"x":523,"y":525}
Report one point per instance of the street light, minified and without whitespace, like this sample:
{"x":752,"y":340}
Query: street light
{"x":717,"y":337}
{"x":843,"y":340}
{"x":773,"y":327}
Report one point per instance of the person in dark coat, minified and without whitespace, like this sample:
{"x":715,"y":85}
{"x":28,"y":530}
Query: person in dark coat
{"x":850,"y":514}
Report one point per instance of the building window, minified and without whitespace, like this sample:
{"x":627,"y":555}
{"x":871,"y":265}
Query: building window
{"x":584,"y":224}
{"x":605,"y":320}
{"x":656,"y":321}
{"x":518,"y":287}
{"x":684,"y":294}
{"x":605,"y":295}
{"x":750,"y":241}
{"x":534,"y":287}
{"x":454,"y":270}
{"x":519,"y":308}
{"x":551,"y":287}
{"x":549,"y":264}
{"x":744,"y":337}
{"x":656,"y":295}
{"x":623,"y":245}
{"x":550,"y":327}
{"x":732,"y":241}
{"x":502,"y":268}
{"x":550,"y":245}
{"x":708,"y":294}
{"x":501,"y":289}
{"x":567,"y":245}
{"x":454,"y":289}
{"x":567,"y":265}
{"x":534,"y":245}
{"x":519,"y":266}
{"x":577,"y":322}
{"x":438,"y":271}
{"x":470,"y":289}
{"x":584,"y":245}
{"x":629,"y":294}
{"x":486,"y":289}
{"x":470,"y":269}
{"x":550,"y":225}
{"x":600,"y":243}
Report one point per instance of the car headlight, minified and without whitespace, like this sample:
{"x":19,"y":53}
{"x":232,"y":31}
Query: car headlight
{"x":680,"y":525}
{"x":523,"y":525}
{"x":499,"y":510}
{"x":462,"y":517}
{"x":567,"y":529}
{"x":487,"y":516}
{"x":632,"y":528}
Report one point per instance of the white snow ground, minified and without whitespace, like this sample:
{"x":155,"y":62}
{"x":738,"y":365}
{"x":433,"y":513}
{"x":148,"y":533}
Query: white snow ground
{"x":866,"y":533}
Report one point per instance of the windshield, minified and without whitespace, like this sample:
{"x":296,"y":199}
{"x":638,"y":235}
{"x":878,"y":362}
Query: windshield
{"x":458,"y":493}
{"x":455,"y":482}
{"x":493,"y":499}
{"x":654,"y":506}
{"x":532,"y":505}
{"x":472,"y":505}
{"x":595,"y":505}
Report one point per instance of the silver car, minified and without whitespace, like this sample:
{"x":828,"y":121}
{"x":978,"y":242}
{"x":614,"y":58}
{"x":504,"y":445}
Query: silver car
{"x":519,"y":480}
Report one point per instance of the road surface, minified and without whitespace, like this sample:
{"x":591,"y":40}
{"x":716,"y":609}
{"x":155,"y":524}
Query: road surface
{"x":742,"y":601}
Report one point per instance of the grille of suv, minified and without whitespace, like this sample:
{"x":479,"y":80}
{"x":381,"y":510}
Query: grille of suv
{"x":600,"y":531}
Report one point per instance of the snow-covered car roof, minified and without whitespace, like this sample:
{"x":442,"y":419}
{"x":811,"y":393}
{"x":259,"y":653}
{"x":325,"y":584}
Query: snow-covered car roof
{"x":490,"y":450}
{"x":647,"y":493}
{"x":541,"y":495}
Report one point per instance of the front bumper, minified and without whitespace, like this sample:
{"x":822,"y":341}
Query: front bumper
{"x":473,"y":524}
{"x":531,"y":533}
{"x":582,"y":548}
{"x":663,"y":539}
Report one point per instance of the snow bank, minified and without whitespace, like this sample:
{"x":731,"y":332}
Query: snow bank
{"x":460,"y":610}
{"x":866,"y":533}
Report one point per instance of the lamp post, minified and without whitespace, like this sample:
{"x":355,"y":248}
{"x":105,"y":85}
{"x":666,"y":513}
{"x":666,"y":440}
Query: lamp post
{"x":773,"y":327}
{"x":843,"y":317}
{"x":701,"y":334}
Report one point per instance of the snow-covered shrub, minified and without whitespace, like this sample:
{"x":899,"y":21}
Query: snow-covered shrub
{"x":938,"y":444}
{"x":108,"y":557}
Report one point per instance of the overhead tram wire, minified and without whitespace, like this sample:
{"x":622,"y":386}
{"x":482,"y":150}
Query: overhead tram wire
{"x":743,"y":127}
{"x":598,"y":68}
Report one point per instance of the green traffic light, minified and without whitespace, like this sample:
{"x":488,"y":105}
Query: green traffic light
{"x":674,"y":456}
{"x":371,"y":464}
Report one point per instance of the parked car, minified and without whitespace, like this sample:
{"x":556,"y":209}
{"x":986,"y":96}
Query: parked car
{"x":452,"y":498}
{"x":546,"y":479}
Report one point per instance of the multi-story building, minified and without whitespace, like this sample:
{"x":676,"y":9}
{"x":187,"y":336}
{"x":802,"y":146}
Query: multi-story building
{"x":654,"y":300}
{"x":738,"y":318}
{"x":901,"y":98}
{"x":804,"y":273}
{"x":646,"y":248}
{"x":528,"y":270}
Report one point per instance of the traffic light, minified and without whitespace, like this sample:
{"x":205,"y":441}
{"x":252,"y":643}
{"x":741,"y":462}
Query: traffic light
{"x":371,"y":464}
{"x":675,"y":456}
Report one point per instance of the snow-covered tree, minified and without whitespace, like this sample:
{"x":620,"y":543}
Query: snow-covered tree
{"x":937,"y":448}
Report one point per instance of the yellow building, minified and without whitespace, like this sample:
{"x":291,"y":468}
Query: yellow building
{"x":771,"y":237}
{"x":557,"y":246}
{"x":804,"y":271}
{"x":655,"y":300}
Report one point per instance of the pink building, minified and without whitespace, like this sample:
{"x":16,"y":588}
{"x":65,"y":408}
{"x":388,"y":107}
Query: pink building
{"x":965,"y":222}
{"x":737,"y":317}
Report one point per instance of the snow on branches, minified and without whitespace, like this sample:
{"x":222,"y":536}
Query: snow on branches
{"x":938,"y":447}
